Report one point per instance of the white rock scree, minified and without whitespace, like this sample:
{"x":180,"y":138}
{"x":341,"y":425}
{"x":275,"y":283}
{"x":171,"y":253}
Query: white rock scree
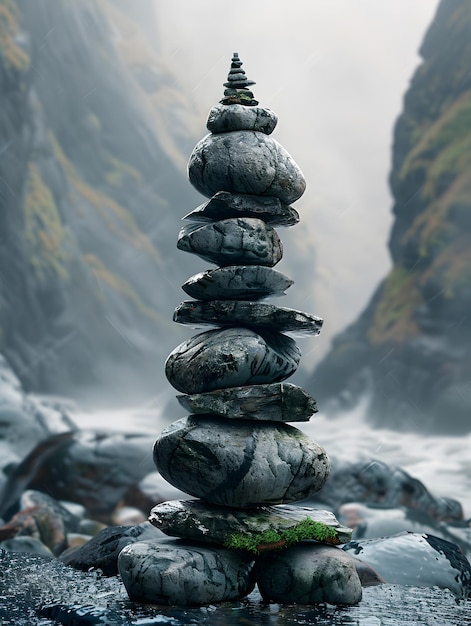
{"x":235,"y":452}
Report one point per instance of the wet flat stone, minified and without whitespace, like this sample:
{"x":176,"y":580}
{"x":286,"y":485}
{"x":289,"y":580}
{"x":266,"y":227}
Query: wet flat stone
{"x":224,"y":205}
{"x":235,"y":241}
{"x":308,"y":573}
{"x":250,"y":314}
{"x":231,"y":357}
{"x":237,"y":282}
{"x":239,"y":463}
{"x":223,"y":119}
{"x":199,"y":521}
{"x":278,"y":402}
{"x":171,"y":572}
{"x":245,"y":161}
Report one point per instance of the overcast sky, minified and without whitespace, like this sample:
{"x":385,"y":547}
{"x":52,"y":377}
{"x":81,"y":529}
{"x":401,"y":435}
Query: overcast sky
{"x":335,"y":72}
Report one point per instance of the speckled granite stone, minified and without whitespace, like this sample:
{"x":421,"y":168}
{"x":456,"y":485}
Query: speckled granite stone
{"x":171,"y":572}
{"x":235,"y":241}
{"x":231,"y":357}
{"x":237,"y":282}
{"x":239,"y":463}
{"x":245,"y":161}
{"x":308,"y":573}
{"x":223,"y":119}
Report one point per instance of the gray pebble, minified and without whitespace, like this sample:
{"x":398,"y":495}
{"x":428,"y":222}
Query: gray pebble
{"x":223,"y":119}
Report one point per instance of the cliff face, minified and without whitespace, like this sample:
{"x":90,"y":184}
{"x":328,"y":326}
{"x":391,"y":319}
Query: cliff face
{"x":94,"y":134}
{"x":410,"y":347}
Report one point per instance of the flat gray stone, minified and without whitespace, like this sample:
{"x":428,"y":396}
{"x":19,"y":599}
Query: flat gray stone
{"x":224,"y":204}
{"x":240,"y":463}
{"x":237,"y":282}
{"x":231,"y":357}
{"x":199,"y":521}
{"x":235,"y":241}
{"x":245,"y":161}
{"x":223,"y":119}
{"x":308,"y":573}
{"x":278,"y":402}
{"x":251,"y":314}
{"x":170,"y":572}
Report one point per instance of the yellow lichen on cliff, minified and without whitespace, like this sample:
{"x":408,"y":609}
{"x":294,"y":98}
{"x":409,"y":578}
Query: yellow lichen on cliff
{"x":393,"y":319}
{"x":13,"y":58}
{"x":43,"y":228}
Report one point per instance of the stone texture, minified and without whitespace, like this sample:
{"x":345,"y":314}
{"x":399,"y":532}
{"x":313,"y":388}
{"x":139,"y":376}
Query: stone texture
{"x":278,"y":402}
{"x":308,"y":573}
{"x":224,"y":204}
{"x":237,"y":282}
{"x":223,"y":119}
{"x":231,"y":357}
{"x":251,"y":314}
{"x":171,"y":572}
{"x":245,"y":161}
{"x":196,"y":520}
{"x":103,"y":549}
{"x":235,"y":241}
{"x":239,"y":463}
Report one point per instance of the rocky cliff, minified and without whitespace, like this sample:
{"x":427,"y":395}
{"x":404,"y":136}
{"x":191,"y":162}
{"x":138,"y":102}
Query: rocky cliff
{"x":410,"y":347}
{"x":94,"y":134}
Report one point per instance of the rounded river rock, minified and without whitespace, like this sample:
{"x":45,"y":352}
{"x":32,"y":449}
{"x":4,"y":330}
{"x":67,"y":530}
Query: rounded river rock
{"x":238,"y":463}
{"x":170,"y":572}
{"x":245,"y":161}
{"x":231,"y":357}
{"x":308,"y":573}
{"x":223,"y":119}
{"x":243,"y":241}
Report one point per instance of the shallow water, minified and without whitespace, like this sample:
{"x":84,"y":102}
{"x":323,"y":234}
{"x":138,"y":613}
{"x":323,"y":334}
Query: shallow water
{"x":30,"y":583}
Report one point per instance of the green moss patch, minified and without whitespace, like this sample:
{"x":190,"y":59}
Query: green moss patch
{"x":273,"y":540}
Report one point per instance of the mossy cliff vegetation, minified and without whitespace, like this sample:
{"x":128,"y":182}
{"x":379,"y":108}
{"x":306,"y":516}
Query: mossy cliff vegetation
{"x":94,"y":133}
{"x":410,"y":348}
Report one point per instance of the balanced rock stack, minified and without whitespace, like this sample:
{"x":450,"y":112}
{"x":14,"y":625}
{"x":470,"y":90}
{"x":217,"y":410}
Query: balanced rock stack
{"x":235,"y":453}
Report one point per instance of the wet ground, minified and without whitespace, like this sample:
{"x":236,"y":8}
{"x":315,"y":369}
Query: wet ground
{"x":35,"y":591}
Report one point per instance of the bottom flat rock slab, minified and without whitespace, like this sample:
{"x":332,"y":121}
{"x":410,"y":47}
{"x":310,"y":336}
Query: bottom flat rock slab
{"x":240,"y":463}
{"x":170,"y":572}
{"x":199,"y":521}
{"x":278,"y":402}
{"x":308,"y":573}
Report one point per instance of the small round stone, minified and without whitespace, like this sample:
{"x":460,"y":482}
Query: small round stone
{"x":245,"y":161}
{"x":308,"y":573}
{"x":240,"y":463}
{"x":229,"y":358}
{"x":224,"y":119}
{"x":170,"y":572}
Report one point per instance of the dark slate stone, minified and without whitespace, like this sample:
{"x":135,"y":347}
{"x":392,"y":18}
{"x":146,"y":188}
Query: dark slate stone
{"x":245,"y":161}
{"x":235,"y":241}
{"x":251,"y":314}
{"x":223,"y":119}
{"x":224,"y":205}
{"x":199,"y":521}
{"x":237,"y":282}
{"x":171,"y":572}
{"x":308,"y":573}
{"x":231,"y":357}
{"x":417,"y":559}
{"x":101,"y":552}
{"x":239,"y":463}
{"x":278,"y":402}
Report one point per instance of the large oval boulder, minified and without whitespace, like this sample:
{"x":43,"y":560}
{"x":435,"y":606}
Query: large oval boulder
{"x":239,"y":463}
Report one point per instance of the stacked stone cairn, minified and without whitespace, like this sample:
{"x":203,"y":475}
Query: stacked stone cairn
{"x":235,"y":453}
